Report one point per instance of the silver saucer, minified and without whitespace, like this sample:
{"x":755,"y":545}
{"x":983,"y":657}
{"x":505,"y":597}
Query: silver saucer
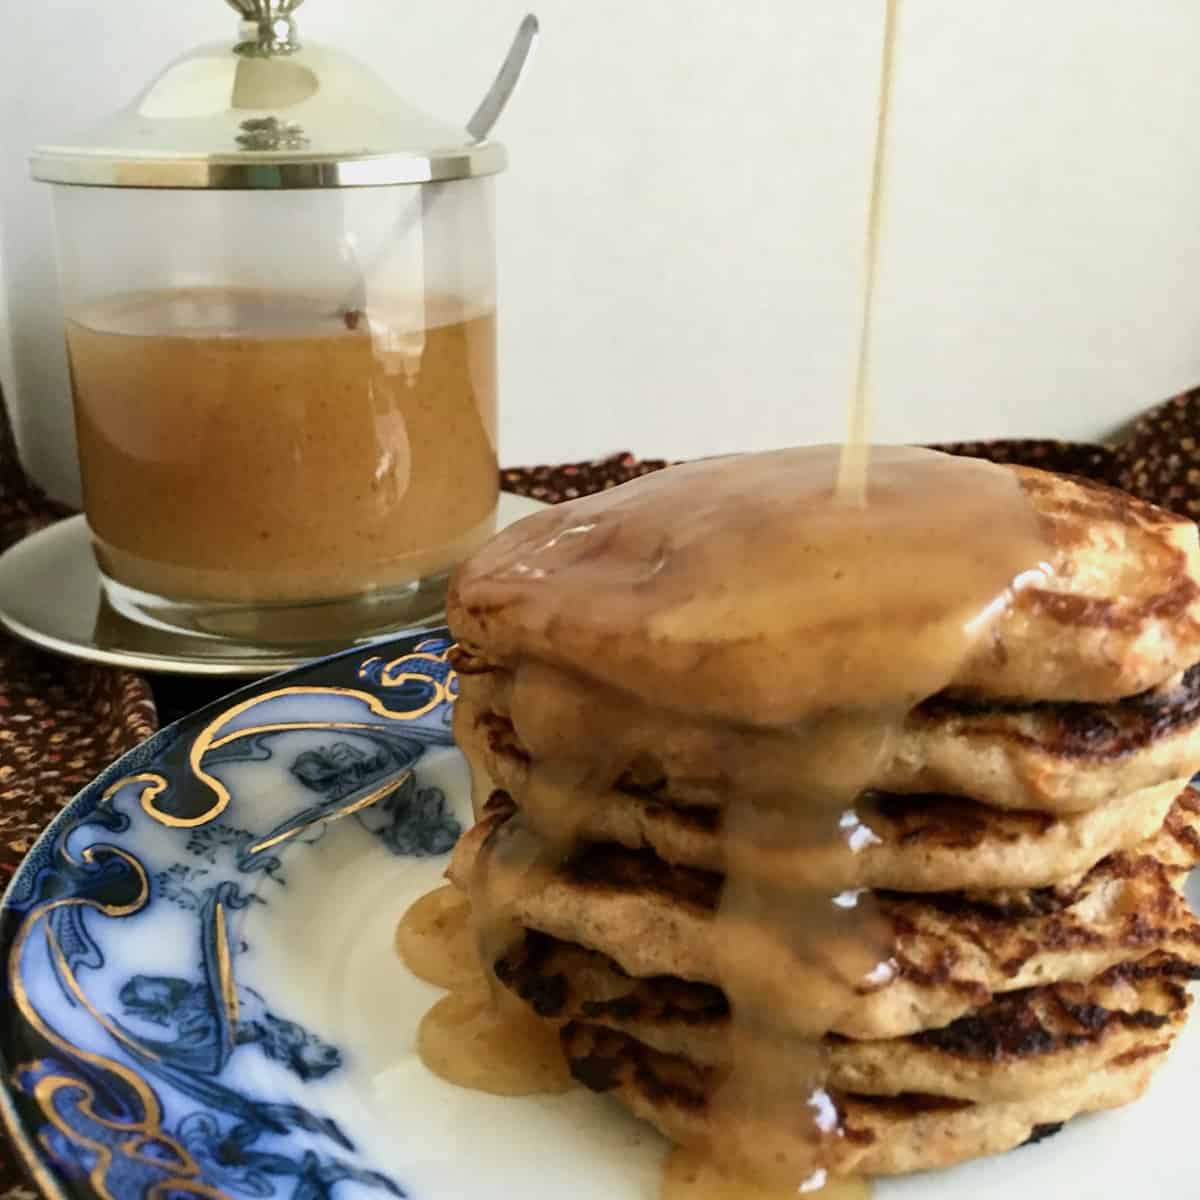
{"x":50,"y":595}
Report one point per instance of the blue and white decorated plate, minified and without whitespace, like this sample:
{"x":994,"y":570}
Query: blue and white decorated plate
{"x":204,"y":999}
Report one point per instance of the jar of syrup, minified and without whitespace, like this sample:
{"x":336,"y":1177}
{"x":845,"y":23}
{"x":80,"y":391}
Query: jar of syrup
{"x":279,"y":289}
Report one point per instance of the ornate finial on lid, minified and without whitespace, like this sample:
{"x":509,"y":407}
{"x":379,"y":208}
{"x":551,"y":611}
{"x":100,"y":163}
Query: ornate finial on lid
{"x":267,"y":26}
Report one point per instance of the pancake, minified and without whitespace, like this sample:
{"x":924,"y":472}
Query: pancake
{"x":1020,"y":1045}
{"x":1117,"y":614}
{"x":1120,"y":612}
{"x":1052,"y":757}
{"x":905,"y":843}
{"x":951,"y":953}
{"x":879,"y":1135}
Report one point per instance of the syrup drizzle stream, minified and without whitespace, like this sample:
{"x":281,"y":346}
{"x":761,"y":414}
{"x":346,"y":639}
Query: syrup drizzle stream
{"x":852,"y":476}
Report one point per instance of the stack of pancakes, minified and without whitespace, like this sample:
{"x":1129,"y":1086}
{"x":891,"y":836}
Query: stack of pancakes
{"x":1026,"y":837}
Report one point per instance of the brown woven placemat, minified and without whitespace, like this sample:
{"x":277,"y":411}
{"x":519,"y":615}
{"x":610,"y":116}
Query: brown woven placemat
{"x":63,"y":722}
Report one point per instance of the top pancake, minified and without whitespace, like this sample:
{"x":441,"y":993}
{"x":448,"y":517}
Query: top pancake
{"x":1120,"y":613}
{"x":716,"y":620}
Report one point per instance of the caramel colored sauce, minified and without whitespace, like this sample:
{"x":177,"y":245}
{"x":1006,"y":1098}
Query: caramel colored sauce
{"x":689,"y":1175}
{"x":484,"y":1038}
{"x":477,"y":1036}
{"x":437,"y":942}
{"x":253,"y":446}
{"x":746,"y":590}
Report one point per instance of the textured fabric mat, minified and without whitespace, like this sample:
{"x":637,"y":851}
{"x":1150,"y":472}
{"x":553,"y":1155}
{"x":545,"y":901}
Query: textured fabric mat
{"x":62,"y":722}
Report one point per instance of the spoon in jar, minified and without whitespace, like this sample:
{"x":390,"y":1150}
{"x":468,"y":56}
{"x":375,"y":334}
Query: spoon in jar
{"x":482,"y":121}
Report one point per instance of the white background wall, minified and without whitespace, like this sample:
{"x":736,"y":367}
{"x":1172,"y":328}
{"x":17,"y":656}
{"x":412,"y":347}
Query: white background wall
{"x":681,"y":224}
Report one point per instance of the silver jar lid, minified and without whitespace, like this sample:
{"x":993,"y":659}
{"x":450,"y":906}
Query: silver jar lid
{"x":272,"y":111}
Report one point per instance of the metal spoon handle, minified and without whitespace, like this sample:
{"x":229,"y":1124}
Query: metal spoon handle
{"x":507,"y":78}
{"x":479,"y":126}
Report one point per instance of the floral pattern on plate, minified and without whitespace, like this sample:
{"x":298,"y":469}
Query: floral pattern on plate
{"x":129,"y":1039}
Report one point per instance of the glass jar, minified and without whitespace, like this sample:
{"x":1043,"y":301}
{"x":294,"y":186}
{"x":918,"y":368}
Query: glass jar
{"x":280,"y":301}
